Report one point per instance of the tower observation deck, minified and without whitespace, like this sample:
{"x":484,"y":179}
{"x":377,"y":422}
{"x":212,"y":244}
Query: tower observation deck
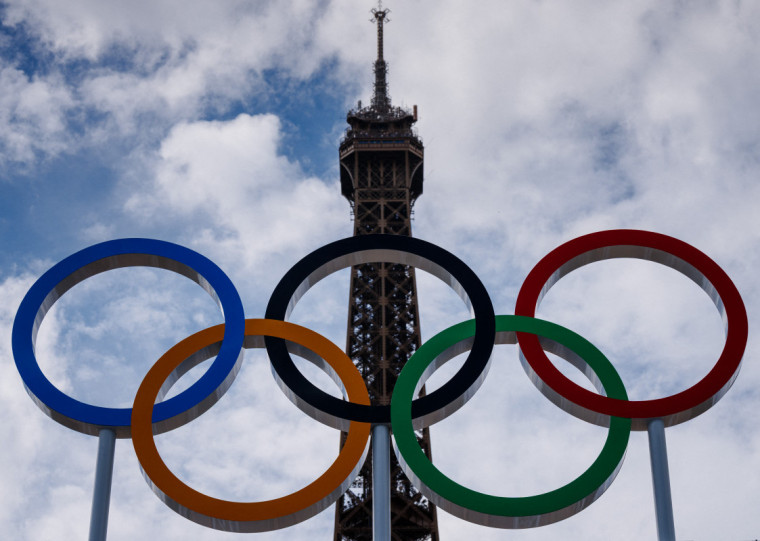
{"x":381,"y":175}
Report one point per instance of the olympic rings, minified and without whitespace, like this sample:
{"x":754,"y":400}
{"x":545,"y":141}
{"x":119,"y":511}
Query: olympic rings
{"x":250,"y":516}
{"x":497,"y":511}
{"x":102,"y":257}
{"x":355,"y":413}
{"x":653,"y":247}
{"x":394,"y":249}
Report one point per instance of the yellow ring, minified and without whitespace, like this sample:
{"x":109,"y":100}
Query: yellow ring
{"x":247,"y":516}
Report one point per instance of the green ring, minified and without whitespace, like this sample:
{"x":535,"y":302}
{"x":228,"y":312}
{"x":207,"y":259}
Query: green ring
{"x":499,"y":511}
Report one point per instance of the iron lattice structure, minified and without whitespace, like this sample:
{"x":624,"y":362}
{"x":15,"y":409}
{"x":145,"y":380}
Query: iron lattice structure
{"x":381,"y":164}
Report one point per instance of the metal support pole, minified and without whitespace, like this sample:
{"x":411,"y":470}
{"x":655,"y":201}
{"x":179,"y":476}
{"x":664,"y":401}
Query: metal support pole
{"x":101,"y":496}
{"x":381,"y":483}
{"x":663,"y":503}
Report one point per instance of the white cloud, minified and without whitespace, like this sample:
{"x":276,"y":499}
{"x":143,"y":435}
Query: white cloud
{"x":151,"y":65}
{"x":255,"y":204}
{"x":32,"y":116}
{"x":175,"y":56}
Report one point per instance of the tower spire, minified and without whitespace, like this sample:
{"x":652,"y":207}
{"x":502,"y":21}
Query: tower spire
{"x":380,"y":100}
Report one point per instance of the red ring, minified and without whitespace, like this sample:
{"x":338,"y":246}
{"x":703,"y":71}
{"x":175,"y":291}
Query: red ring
{"x":655,"y":247}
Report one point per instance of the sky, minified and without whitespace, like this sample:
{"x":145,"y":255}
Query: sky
{"x":216,"y":126}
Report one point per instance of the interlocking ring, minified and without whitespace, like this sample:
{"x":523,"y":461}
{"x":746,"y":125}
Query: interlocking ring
{"x":390,"y":249}
{"x":499,"y":511}
{"x":248,"y":516}
{"x":114,"y":254}
{"x":652,"y":247}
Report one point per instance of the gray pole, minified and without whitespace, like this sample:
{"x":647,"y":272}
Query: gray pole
{"x":381,"y":483}
{"x":101,"y":496}
{"x":663,"y":504}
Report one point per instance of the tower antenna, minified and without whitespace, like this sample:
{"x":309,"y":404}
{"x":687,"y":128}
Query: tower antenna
{"x":380,"y":100}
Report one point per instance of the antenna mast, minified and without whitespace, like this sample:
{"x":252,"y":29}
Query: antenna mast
{"x":380,"y":100}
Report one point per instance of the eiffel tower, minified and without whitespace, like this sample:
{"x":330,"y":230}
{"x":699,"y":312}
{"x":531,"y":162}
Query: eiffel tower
{"x":381,"y":174}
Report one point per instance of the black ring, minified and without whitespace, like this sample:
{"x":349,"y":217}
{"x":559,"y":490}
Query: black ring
{"x":389,"y":249}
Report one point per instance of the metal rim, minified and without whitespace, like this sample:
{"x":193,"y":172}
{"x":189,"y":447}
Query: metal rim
{"x":391,"y":249}
{"x":661,"y":249}
{"x":498,"y":511}
{"x":248,"y":516}
{"x":102,"y":257}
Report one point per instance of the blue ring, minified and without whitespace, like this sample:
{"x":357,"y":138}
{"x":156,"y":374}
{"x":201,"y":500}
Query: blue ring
{"x":109,"y":255}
